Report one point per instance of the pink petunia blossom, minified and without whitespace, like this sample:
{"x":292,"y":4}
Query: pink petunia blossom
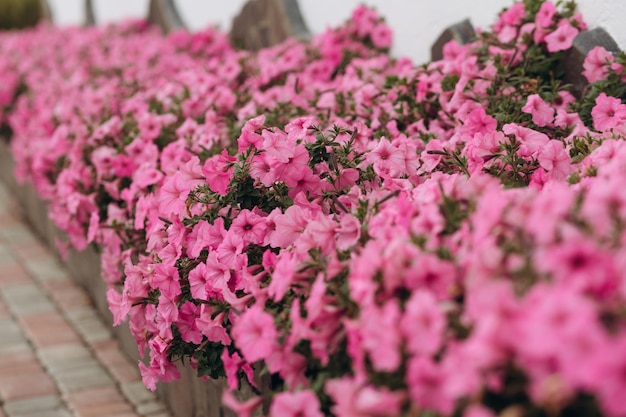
{"x":255,"y":334}
{"x":542,"y":113}
{"x":608,"y":113}
{"x":562,"y":38}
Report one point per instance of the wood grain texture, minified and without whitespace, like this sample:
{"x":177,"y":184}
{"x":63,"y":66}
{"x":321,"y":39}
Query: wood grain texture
{"x":165,"y":14}
{"x":462,"y":32}
{"x":264,"y":23}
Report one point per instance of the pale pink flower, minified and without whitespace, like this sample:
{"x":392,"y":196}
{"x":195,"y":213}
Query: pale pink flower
{"x":382,"y":36}
{"x":423,"y":324}
{"x":295,"y":404}
{"x":562,"y":38}
{"x":608,"y":113}
{"x":597,"y":63}
{"x":545,"y":14}
{"x":254,"y":334}
{"x":542,"y":113}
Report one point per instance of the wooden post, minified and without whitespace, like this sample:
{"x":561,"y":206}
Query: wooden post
{"x":90,"y":15}
{"x":462,"y":32}
{"x":46,"y":11}
{"x":263,"y":23}
{"x":165,"y":14}
{"x":574,"y":57}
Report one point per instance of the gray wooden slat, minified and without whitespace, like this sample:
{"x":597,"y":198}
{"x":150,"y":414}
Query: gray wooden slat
{"x":46,"y":11}
{"x":90,"y":14}
{"x":462,"y":32}
{"x":574,"y":57}
{"x":165,"y":14}
{"x":263,"y":23}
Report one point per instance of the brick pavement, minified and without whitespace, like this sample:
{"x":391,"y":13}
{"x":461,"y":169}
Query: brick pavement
{"x":57,"y":357}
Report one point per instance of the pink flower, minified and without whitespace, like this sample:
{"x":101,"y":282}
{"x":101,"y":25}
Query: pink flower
{"x":423,"y":324}
{"x":295,"y":404}
{"x":249,"y":227}
{"x":596,"y":64}
{"x":562,"y":38}
{"x":555,"y":160}
{"x":545,"y":14}
{"x":542,"y":113}
{"x":277,"y":145}
{"x":381,"y":336}
{"x":478,"y":121}
{"x":254,"y":334}
{"x":283,"y":275}
{"x":173,"y":195}
{"x":289,"y":226}
{"x":382,"y":36}
{"x":212,"y":327}
{"x":426,"y":379}
{"x":608,"y":113}
{"x":387,"y":159}
{"x":218,"y":171}
{"x":348,"y":232}
{"x":197,"y":282}
{"x":244,"y":409}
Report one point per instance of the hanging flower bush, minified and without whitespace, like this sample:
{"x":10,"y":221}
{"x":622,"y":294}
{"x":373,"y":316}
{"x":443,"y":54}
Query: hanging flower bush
{"x":382,"y":239}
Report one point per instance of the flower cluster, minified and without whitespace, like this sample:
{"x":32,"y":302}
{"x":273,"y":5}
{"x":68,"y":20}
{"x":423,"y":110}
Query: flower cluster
{"x":382,"y":239}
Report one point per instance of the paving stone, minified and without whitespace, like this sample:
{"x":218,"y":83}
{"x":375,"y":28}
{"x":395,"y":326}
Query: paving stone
{"x":111,"y":355}
{"x":105,"y":401}
{"x":26,"y":299}
{"x":76,"y":379}
{"x":17,"y":233}
{"x":151,"y":407}
{"x":26,"y":385}
{"x":67,"y":295}
{"x":47,"y":270}
{"x":33,"y":404}
{"x":64,"y":355}
{"x":12,"y":273}
{"x":32,"y":251}
{"x":47,"y":329}
{"x":11,"y":333}
{"x":5,"y":255}
{"x":17,"y":360}
{"x":60,"y":412}
{"x":89,"y":324}
{"x":137,"y":393}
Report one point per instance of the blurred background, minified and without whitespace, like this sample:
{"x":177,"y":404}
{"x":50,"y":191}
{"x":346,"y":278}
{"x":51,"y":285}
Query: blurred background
{"x":416,"y":23}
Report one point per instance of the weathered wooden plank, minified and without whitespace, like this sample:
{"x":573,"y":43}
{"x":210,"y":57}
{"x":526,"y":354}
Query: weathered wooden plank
{"x":264,"y":23}
{"x":165,"y":14}
{"x":90,"y":14}
{"x":46,"y":11}
{"x":462,"y":32}
{"x":574,"y":57}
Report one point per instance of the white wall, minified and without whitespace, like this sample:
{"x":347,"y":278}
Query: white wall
{"x":416,"y":23}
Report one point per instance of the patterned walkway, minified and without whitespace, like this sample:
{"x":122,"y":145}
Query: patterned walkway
{"x":57,"y":357}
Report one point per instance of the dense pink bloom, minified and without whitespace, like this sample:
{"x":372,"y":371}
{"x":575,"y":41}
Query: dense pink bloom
{"x":255,"y":334}
{"x":545,"y":14}
{"x":542,"y":112}
{"x":296,"y":404}
{"x":608,"y":113}
{"x":596,"y":64}
{"x":562,"y":38}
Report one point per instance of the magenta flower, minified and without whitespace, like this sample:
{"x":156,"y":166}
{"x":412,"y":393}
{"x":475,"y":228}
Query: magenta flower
{"x":541,"y":112}
{"x":255,"y":334}
{"x":562,"y":38}
{"x":608,"y":113}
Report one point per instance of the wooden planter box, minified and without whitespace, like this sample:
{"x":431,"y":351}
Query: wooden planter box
{"x":188,"y":397}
